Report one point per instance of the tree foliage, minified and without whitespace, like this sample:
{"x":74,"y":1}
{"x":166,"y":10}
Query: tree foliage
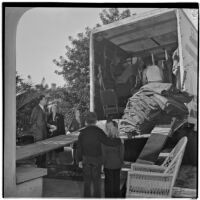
{"x":21,"y":85}
{"x":26,"y":99}
{"x":74,"y":66}
{"x":67,"y":100}
{"x":110,"y":15}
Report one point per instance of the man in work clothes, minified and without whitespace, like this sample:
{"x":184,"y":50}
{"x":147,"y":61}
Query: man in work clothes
{"x":152,"y":73}
{"x":90,"y":153}
{"x":39,"y":126}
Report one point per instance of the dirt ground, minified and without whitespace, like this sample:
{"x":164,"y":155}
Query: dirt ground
{"x":187,"y":177}
{"x":52,"y":187}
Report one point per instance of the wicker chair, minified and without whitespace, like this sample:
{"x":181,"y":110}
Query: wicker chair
{"x":153,"y":180}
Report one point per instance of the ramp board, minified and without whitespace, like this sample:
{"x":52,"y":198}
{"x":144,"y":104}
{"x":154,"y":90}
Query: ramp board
{"x":41,"y":147}
{"x":156,"y":142}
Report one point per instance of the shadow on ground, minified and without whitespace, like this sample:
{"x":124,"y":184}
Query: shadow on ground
{"x":65,"y":187}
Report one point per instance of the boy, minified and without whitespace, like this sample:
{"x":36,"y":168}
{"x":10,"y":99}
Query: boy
{"x":89,"y":152}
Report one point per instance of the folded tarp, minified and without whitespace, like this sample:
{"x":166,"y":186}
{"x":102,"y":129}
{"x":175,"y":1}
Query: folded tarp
{"x":140,"y":114}
{"x":167,"y":90}
{"x":171,"y":106}
{"x":159,"y":88}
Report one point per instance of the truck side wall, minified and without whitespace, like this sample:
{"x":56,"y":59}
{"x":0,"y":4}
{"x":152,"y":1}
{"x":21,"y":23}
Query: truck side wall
{"x":104,"y":51}
{"x":189,"y":52}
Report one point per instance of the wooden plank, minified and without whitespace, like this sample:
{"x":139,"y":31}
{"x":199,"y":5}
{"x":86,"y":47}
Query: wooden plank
{"x":143,"y":34}
{"x":44,"y":146}
{"x":92,"y":80}
{"x":122,"y":136}
{"x":139,"y":45}
{"x":150,"y":36}
{"x":163,"y":154}
{"x":41,"y":147}
{"x":162,"y":129}
{"x":28,"y":173}
{"x":147,"y":45}
{"x":146,"y":51}
{"x":178,"y":192}
{"x":110,"y":43}
{"x":153,"y":147}
{"x":147,"y":28}
{"x":133,"y":19}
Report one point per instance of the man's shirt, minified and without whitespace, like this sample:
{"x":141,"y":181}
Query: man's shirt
{"x":41,"y":106}
{"x":153,"y":74}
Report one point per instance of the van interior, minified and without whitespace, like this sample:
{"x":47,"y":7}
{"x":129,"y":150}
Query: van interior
{"x":122,"y":50}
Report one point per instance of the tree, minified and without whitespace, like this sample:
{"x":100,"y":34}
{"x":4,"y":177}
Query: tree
{"x":21,"y":84}
{"x":74,"y":67}
{"x":110,"y":15}
{"x":63,"y":98}
{"x":26,"y":100}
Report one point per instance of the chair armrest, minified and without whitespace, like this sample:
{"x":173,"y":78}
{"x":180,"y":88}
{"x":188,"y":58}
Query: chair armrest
{"x":147,"y":168}
{"x":126,"y":166}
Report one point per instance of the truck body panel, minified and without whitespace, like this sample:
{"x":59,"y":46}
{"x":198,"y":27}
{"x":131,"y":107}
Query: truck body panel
{"x":155,"y":32}
{"x":189,"y":42}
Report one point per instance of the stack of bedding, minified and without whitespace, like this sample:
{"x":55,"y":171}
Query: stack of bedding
{"x":149,"y":104}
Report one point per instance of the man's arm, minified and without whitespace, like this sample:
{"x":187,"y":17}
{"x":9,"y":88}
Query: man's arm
{"x":33,"y":116}
{"x":144,"y":77}
{"x":36,"y":120}
{"x":103,"y":152}
{"x":34,"y":124}
{"x":106,"y":140}
{"x":161,"y":73}
{"x":61,"y":125}
{"x":122,"y":152}
{"x":79,"y":149}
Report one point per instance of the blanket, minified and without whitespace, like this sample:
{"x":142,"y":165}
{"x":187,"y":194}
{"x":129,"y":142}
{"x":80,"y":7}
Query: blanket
{"x":150,"y":103}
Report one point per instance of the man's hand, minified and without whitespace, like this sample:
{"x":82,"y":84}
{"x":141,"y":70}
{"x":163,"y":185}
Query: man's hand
{"x":80,"y":165}
{"x":53,"y":128}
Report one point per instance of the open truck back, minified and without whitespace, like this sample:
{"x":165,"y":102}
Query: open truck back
{"x":160,"y":33}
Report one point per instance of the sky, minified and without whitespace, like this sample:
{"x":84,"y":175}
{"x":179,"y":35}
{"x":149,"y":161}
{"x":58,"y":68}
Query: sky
{"x":42,"y":35}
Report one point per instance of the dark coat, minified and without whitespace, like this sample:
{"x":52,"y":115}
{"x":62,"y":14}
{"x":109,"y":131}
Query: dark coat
{"x":38,"y":124}
{"x":58,"y":121}
{"x":75,"y":125}
{"x":113,"y":156}
{"x":89,"y":143}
